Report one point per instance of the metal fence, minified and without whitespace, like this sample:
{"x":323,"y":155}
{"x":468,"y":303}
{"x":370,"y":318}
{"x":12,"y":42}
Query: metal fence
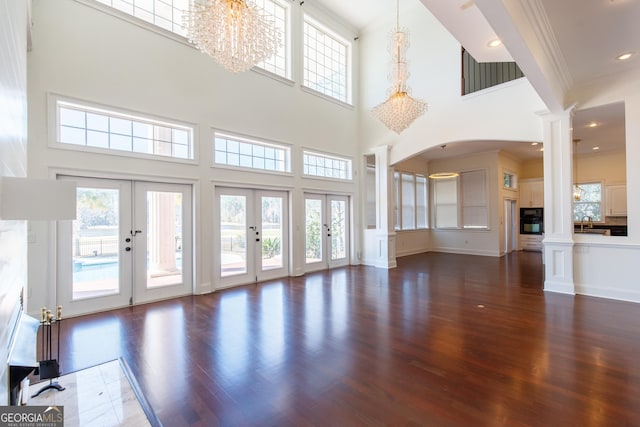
{"x":105,"y":246}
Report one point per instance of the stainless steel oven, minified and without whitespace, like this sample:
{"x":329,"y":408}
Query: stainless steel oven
{"x":531,"y":221}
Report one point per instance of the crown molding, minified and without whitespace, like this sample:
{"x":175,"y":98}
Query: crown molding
{"x":535,"y":13}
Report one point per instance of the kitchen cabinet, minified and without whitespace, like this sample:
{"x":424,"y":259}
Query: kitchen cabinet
{"x":532,"y":193}
{"x":531,"y":242}
{"x":616,"y":197}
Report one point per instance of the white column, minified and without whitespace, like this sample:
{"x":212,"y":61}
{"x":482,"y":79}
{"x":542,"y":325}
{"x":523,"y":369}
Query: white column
{"x":385,"y":231}
{"x":558,"y":202}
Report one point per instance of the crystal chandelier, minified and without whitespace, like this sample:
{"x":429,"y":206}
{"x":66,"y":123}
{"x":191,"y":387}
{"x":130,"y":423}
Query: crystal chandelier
{"x":400,"y":109}
{"x":233,"y":32}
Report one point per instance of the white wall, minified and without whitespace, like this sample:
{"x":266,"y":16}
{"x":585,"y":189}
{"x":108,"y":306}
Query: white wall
{"x":13,"y":162}
{"x":81,"y":52}
{"x":608,"y":167}
{"x":506,"y":112}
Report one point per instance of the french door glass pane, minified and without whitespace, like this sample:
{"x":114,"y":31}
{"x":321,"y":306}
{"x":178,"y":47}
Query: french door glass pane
{"x":338,"y":229}
{"x":96,"y":269}
{"x":272,"y":233}
{"x":313,"y":223}
{"x":164,"y":238}
{"x":233,"y":235}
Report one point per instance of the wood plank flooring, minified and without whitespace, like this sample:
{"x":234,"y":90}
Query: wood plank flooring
{"x":442,"y":340}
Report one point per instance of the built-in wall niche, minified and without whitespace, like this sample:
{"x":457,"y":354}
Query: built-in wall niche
{"x":599,"y":168}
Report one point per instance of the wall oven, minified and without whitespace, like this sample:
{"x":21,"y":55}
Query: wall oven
{"x":531,"y":221}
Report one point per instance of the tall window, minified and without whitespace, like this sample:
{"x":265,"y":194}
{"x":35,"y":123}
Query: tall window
{"x":278,"y":64}
{"x":474,"y":199}
{"x":411,"y":201}
{"x":590,"y":203}
{"x":461,"y":202}
{"x":445,"y":202}
{"x":326,"y":61}
{"x":232,"y":150}
{"x":325,"y":166}
{"x":165,"y":14}
{"x":421,"y":202}
{"x":86,"y":127}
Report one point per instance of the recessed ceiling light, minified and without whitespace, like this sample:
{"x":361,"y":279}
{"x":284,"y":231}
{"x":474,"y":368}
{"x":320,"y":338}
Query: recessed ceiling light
{"x":534,"y":143}
{"x":596,"y":148}
{"x":625,"y":56}
{"x":466,"y":5}
{"x":592,"y":125}
{"x":494,"y":43}
{"x":542,"y":149}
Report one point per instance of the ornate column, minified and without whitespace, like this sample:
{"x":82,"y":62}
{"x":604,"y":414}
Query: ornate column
{"x":558,"y":202}
{"x":385,"y":232}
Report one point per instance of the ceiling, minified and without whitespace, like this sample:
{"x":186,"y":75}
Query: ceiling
{"x":581,"y":42}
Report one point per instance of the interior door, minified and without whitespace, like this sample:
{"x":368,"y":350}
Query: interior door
{"x":326,"y":231}
{"x":126,"y":232}
{"x":510,"y":226}
{"x":253,"y":239}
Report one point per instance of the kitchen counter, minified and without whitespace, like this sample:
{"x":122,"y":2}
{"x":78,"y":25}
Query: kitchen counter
{"x":615,"y":230}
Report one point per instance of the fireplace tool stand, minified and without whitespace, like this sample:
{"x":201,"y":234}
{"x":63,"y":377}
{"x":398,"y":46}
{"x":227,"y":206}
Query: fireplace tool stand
{"x":48,"y":368}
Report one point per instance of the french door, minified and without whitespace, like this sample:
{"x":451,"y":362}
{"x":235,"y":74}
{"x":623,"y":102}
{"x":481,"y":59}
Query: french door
{"x":326,"y":231}
{"x":130,"y":243}
{"x":253,"y":241}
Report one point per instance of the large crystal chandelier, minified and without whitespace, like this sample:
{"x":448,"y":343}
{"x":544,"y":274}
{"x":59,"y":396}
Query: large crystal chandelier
{"x":236,"y":33}
{"x":400,"y":109}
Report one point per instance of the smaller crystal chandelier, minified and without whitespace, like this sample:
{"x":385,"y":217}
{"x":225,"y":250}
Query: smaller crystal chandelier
{"x":400,"y":109}
{"x":233,"y":32}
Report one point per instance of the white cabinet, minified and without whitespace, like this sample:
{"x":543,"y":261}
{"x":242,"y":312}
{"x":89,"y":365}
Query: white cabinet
{"x":531,"y":242}
{"x":616,"y":196}
{"x":532,"y":193}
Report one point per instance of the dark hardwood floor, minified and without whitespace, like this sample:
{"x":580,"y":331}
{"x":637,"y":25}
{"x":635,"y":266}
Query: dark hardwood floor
{"x":442,"y":340}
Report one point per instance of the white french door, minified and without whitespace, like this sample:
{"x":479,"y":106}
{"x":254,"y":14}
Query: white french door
{"x":162,"y":233}
{"x":253,"y":241}
{"x":130,"y":243}
{"x":326,"y":231}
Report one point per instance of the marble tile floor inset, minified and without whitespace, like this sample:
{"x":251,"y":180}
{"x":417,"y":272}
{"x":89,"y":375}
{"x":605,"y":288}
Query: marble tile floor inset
{"x":97,"y":396}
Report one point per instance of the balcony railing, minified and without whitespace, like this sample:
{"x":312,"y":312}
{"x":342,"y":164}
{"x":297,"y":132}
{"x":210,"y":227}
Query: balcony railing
{"x":481,"y":75}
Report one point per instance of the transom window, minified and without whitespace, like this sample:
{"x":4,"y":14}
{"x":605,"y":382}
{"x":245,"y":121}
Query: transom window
{"x":278,"y":64}
{"x":165,"y":14}
{"x":100,"y":129}
{"x":509,"y":180}
{"x":326,"y":61}
{"x":242,"y":152}
{"x":322,"y":165}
